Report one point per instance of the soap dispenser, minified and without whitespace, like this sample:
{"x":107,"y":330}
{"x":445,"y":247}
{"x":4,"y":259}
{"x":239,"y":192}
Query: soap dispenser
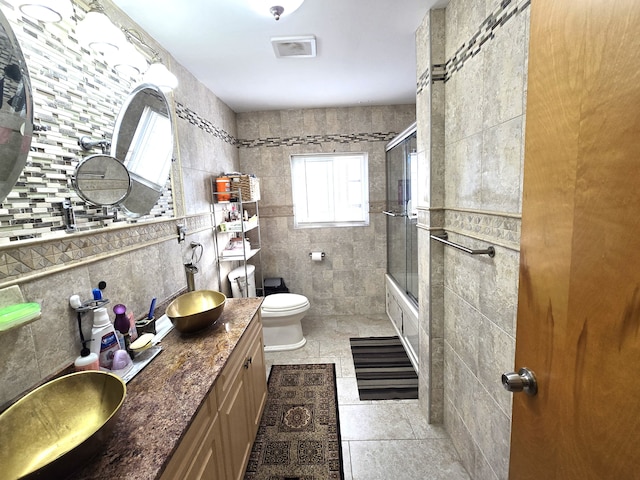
{"x":87,"y":360}
{"x":104,"y":340}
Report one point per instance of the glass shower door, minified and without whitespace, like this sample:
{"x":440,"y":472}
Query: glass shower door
{"x":396,"y":217}
{"x":402,"y":230}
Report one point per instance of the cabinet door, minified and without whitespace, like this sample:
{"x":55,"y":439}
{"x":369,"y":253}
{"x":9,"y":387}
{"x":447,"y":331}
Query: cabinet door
{"x":257,"y":380}
{"x":190,"y":446}
{"x":208,"y":463}
{"x":237,"y":434}
{"x":218,"y":470}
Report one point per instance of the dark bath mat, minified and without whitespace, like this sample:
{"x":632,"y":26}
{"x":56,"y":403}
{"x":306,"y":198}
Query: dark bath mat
{"x":383,"y":369}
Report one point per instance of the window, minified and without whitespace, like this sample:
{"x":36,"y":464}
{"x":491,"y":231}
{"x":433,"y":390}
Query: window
{"x":151,"y":148}
{"x":330,"y":190}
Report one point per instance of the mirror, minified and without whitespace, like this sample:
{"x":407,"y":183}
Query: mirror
{"x":102,"y":180}
{"x":16,"y":109}
{"x":143,"y":141}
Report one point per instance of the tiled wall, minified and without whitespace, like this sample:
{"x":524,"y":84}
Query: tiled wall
{"x":475,"y":155}
{"x":430,"y":114}
{"x":138,"y":261}
{"x":351,"y":278}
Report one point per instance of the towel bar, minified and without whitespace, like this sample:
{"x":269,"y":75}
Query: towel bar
{"x":443,"y":238}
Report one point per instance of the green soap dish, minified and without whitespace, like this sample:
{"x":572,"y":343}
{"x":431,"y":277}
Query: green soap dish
{"x":18,"y":314}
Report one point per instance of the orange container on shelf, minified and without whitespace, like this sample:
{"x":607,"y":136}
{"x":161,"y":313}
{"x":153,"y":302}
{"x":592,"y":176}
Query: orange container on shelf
{"x":223,"y":187}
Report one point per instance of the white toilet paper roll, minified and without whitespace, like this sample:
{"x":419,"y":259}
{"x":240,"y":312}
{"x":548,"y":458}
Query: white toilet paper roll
{"x":316,"y":256}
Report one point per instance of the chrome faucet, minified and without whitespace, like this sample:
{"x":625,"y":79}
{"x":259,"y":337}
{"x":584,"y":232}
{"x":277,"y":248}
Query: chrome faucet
{"x":191,"y":270}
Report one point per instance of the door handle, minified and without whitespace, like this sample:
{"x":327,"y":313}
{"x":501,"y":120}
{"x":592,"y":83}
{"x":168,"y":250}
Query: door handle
{"x":523,"y":381}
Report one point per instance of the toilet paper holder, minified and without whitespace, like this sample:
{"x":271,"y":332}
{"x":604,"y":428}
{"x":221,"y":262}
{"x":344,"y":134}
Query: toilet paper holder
{"x":311,"y":254}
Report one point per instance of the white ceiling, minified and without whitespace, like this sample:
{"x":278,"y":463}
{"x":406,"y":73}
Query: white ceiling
{"x":365,"y":50}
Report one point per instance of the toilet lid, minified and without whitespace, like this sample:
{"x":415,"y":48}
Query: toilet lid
{"x":280,"y":302}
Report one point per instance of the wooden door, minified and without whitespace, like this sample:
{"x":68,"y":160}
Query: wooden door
{"x":579,"y":300}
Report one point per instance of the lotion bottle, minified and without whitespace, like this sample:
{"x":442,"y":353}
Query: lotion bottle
{"x":87,"y":362}
{"x":104,"y":340}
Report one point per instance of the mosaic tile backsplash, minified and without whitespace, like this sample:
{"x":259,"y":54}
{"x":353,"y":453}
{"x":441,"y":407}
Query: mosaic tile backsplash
{"x":75,"y":94}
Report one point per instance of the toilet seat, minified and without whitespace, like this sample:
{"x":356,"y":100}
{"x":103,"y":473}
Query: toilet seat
{"x":281,"y":304}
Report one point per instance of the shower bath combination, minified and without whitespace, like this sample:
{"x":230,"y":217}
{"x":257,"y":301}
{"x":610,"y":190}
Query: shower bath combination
{"x":402,"y":238}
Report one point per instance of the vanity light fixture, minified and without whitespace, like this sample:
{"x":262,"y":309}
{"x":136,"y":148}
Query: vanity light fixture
{"x":157,"y":73}
{"x":128,"y":61}
{"x":97,"y":31}
{"x":275,"y":8}
{"x":122,"y":46}
{"x":46,"y":10}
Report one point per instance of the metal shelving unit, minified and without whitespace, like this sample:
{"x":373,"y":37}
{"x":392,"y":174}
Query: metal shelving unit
{"x":227,"y":232}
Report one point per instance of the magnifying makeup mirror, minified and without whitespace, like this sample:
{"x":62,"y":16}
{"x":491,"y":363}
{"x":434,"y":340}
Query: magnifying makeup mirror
{"x":102,"y":180}
{"x":135,"y":174}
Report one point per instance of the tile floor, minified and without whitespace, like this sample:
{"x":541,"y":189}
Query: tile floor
{"x":381,"y":440}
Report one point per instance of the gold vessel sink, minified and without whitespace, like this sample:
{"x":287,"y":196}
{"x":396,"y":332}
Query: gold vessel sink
{"x":196,"y":310}
{"x":51,"y":431}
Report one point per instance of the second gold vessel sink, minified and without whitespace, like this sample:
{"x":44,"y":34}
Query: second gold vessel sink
{"x":51,"y":431}
{"x":194,"y":311}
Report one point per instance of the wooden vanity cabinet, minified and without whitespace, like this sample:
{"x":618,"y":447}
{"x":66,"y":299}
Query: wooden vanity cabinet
{"x":219,"y":440}
{"x":199,"y":454}
{"x":241,"y":391}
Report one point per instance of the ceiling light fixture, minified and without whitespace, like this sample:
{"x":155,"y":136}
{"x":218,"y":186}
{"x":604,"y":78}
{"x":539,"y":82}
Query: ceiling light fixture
{"x":47,"y":10}
{"x":275,"y":8}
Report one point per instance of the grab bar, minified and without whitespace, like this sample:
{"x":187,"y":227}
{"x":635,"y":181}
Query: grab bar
{"x":443,"y":238}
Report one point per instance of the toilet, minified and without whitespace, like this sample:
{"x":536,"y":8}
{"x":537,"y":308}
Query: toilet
{"x":281,"y":315}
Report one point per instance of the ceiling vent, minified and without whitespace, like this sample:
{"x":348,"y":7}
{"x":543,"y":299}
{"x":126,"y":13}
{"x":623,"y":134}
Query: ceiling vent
{"x":299,"y":47}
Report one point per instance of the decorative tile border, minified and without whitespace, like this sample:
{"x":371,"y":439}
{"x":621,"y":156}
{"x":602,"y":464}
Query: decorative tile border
{"x":43,"y":257}
{"x":498,"y":18}
{"x":317,"y":139}
{"x":424,"y":81}
{"x":196,"y":120}
{"x":436,"y":73}
{"x":488,"y":226}
{"x":67,"y":252}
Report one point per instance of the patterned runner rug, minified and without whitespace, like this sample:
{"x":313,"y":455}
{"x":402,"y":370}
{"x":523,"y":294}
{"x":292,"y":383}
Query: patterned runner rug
{"x":383,"y":369}
{"x":299,"y":434}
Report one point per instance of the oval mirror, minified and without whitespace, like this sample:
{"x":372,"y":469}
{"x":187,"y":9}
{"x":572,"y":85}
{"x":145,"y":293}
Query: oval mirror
{"x":102,"y":180}
{"x":143,"y":141}
{"x":16,"y":109}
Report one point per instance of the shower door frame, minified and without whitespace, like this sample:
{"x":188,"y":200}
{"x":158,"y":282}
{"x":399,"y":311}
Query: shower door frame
{"x":399,"y":209}
{"x":401,"y":301}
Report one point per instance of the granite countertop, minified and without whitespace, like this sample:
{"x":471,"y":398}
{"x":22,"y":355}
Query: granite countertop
{"x":163,"y":399}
